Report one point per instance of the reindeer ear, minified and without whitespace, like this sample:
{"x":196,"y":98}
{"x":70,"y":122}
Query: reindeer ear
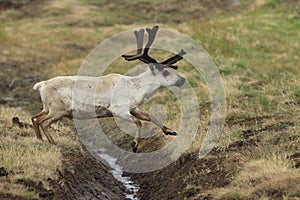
{"x":151,"y":66}
{"x":154,"y":66}
{"x":159,"y":67}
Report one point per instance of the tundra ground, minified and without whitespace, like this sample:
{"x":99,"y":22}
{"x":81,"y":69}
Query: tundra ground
{"x":256,"y":47}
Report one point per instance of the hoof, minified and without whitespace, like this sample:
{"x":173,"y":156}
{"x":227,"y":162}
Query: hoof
{"x":171,"y":133}
{"x":134,"y":146}
{"x":39,"y":138}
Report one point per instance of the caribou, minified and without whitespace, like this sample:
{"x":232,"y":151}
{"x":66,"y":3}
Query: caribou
{"x":112,"y":95}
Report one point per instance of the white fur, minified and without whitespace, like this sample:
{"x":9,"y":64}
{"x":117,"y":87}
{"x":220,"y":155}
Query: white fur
{"x":83,"y":96}
{"x":38,"y":85}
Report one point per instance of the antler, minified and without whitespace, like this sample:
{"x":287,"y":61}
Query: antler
{"x":174,"y":59}
{"x":144,"y":57}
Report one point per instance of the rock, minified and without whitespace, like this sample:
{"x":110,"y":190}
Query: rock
{"x":3,"y":171}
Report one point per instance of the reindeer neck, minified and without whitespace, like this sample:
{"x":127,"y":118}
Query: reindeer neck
{"x":146,"y":85}
{"x":146,"y":79}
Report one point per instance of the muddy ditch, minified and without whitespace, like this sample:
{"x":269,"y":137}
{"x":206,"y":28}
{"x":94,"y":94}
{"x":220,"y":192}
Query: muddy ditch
{"x":83,"y":177}
{"x":187,"y":177}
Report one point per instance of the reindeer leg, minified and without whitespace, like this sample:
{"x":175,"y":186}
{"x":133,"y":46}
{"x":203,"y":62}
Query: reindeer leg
{"x":47,"y":121}
{"x":145,"y":117}
{"x":35,"y":122}
{"x":129,"y":118}
{"x":135,"y":142}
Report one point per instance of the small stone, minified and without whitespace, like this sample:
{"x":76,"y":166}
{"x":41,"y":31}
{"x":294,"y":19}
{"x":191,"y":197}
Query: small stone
{"x":3,"y":171}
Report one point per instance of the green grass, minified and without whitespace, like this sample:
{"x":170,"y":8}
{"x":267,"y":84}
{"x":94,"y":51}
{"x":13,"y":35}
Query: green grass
{"x":2,"y":34}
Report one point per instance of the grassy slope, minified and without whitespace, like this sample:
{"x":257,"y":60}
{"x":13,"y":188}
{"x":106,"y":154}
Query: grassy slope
{"x":30,"y":162}
{"x":256,"y":51}
{"x":257,"y":56}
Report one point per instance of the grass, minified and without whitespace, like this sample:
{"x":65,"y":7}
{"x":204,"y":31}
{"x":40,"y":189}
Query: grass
{"x":256,"y":50}
{"x":26,"y":158}
{"x":2,"y":34}
{"x":270,"y":177}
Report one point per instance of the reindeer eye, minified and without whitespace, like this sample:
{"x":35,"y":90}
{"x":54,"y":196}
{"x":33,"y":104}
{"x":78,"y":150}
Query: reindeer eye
{"x":166,"y":73}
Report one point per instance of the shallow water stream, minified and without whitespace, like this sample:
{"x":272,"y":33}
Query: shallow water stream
{"x":117,"y":172}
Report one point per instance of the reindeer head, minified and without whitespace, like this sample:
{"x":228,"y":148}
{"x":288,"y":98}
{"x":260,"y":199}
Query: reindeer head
{"x":164,"y":72}
{"x":166,"y":76}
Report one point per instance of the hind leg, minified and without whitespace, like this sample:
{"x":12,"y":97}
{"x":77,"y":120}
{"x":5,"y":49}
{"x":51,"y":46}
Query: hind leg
{"x":47,"y":121}
{"x":36,"y":123}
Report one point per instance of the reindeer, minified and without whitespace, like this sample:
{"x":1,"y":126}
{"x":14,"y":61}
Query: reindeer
{"x":100,"y":97}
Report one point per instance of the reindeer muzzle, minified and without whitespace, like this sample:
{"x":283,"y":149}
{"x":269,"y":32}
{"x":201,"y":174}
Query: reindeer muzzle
{"x":180,"y":82}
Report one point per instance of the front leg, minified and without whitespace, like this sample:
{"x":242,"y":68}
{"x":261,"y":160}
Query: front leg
{"x":146,"y":117}
{"x":168,"y":131}
{"x":135,"y":142}
{"x":129,"y":118}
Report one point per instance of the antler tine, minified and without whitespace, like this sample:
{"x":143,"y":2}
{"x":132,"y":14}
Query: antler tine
{"x":144,"y":57}
{"x":151,"y":34}
{"x":139,"y":36}
{"x":174,"y":58}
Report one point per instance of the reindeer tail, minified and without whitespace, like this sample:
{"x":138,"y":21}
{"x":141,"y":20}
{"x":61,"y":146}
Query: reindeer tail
{"x":38,"y":85}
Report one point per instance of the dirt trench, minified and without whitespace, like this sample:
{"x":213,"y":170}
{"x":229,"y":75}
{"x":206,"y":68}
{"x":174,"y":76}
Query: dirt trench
{"x":83,"y":177}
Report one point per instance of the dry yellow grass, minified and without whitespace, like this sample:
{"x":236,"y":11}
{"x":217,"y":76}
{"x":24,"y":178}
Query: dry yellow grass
{"x":271,"y":177}
{"x":25,"y":157}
